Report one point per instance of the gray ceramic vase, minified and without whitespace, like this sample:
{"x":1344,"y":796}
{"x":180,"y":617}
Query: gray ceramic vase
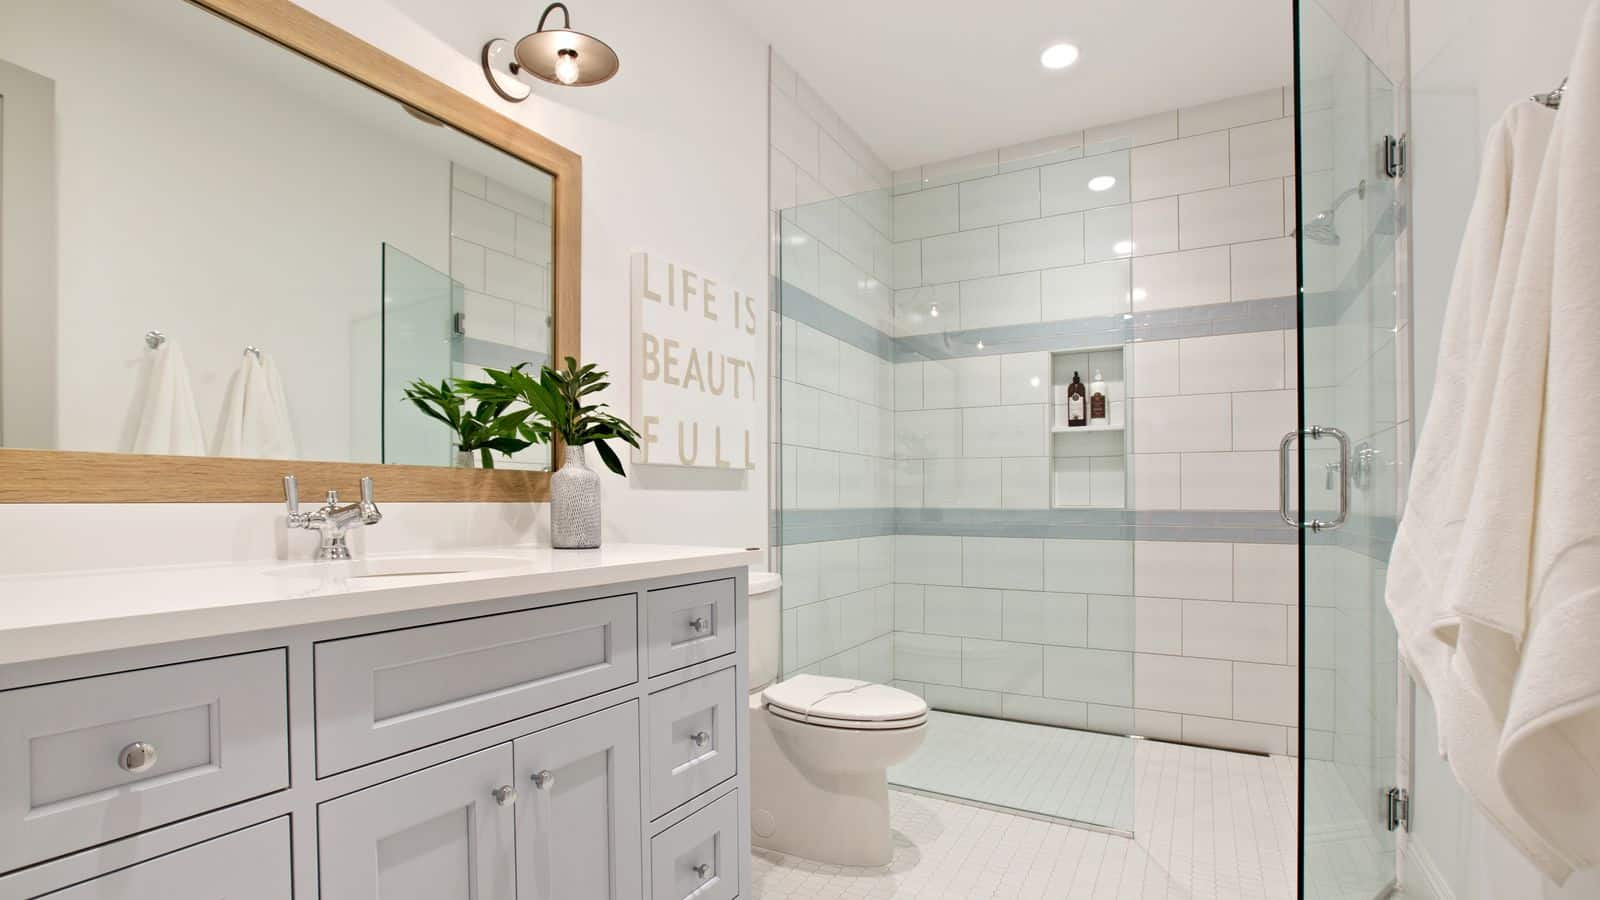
{"x":575,"y":504}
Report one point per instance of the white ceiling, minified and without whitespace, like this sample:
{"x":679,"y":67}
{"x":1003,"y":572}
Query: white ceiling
{"x":928,"y":80}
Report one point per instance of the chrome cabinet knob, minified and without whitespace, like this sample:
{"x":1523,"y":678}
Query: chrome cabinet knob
{"x":505,"y":795}
{"x":702,"y":871}
{"x":700,"y":738}
{"x":544,"y":779}
{"x":137,"y":757}
{"x":698,"y":623}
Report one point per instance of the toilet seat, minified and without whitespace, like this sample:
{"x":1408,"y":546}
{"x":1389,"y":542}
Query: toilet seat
{"x":826,"y":702}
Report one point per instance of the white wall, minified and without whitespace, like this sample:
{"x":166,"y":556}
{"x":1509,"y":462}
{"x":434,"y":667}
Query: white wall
{"x":1470,"y":60}
{"x":674,"y":159}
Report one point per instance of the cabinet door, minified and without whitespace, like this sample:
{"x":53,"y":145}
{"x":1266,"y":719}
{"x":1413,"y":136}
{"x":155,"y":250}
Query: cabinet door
{"x":252,"y":864}
{"x":444,"y":833}
{"x":578,"y":820}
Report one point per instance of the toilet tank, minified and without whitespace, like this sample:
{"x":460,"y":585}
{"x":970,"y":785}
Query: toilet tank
{"x":765,"y":628}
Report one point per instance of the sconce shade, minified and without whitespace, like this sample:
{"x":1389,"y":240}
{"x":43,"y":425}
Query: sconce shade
{"x":566,"y":57}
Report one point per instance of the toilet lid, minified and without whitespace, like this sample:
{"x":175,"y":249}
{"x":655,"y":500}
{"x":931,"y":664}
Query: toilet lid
{"x":844,"y":702}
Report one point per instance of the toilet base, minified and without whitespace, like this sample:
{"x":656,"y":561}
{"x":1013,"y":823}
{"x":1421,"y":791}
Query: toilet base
{"x":840,"y":818}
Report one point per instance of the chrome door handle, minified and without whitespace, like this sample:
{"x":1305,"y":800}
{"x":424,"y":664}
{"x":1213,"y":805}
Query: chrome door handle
{"x":700,"y":738}
{"x":1344,"y":466}
{"x":698,"y":623}
{"x":702,"y":870}
{"x":137,"y":757}
{"x":544,"y":779}
{"x":505,"y":795}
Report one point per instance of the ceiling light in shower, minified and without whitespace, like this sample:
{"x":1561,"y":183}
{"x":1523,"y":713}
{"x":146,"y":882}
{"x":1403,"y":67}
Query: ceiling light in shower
{"x":933,"y":310}
{"x":555,"y":55}
{"x":1058,"y":56}
{"x":1102,"y":182}
{"x":1122,"y":248}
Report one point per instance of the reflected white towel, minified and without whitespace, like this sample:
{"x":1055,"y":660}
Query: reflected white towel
{"x":169,"y":422}
{"x":280,"y":404}
{"x":253,"y":423}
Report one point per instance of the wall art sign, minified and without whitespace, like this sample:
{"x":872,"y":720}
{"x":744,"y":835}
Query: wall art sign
{"x":696,"y":396}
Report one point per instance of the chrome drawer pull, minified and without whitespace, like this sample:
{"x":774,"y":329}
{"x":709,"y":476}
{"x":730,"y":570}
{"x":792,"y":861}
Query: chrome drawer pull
{"x":505,"y":795}
{"x":137,"y":757}
{"x":698,"y":623}
{"x":544,"y":779}
{"x":700,"y":738}
{"x":702,"y":871}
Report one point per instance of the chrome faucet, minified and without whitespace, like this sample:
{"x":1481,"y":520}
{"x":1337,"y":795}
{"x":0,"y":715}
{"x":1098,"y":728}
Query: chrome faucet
{"x":332,"y":520}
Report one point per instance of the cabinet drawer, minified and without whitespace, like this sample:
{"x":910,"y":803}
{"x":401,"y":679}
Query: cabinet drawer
{"x":690,"y":624}
{"x":251,"y":864}
{"x":698,"y":857}
{"x":383,"y":694}
{"x":218,"y":729}
{"x":693,"y":739}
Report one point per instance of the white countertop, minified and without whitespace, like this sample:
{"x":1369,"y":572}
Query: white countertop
{"x":60,"y":614}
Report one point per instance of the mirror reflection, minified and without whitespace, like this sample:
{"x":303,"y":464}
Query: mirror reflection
{"x":210,"y":245}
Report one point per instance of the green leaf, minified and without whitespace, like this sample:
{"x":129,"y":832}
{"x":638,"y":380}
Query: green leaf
{"x":609,"y":457}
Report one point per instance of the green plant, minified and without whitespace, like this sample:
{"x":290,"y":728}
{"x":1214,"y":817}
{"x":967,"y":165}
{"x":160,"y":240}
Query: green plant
{"x":558,"y":397}
{"x":487,"y":426}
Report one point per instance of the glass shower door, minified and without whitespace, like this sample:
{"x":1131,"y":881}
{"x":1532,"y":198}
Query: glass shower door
{"x":1347,"y":449}
{"x":420,"y":340}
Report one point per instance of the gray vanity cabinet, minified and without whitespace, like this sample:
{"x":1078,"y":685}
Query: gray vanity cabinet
{"x":444,"y":833}
{"x":578,"y":804}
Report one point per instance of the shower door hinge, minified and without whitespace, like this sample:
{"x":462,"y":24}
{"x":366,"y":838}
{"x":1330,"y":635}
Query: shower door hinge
{"x":1397,"y":808}
{"x":1394,"y":156}
{"x":459,"y":323}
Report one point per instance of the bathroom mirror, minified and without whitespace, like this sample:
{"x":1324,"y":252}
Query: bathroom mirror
{"x":232,"y":235}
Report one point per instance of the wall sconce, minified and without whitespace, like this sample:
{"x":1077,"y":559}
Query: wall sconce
{"x":557,"y":55}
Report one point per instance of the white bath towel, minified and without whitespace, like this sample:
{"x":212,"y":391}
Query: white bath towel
{"x":169,"y":422}
{"x":1447,"y":460}
{"x":280,"y":404}
{"x":253,"y":424}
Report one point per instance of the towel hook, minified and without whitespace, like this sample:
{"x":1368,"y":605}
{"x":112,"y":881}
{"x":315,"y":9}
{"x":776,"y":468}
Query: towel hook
{"x":254,"y":351}
{"x":1552,"y":99}
{"x":154,"y":339}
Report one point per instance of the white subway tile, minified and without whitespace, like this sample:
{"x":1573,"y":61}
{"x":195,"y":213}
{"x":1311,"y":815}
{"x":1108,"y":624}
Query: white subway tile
{"x":1253,"y":632}
{"x":928,"y":559}
{"x":1185,"y":422}
{"x":802,"y":574}
{"x":1107,"y":482}
{"x":1157,"y":480}
{"x":907,"y":264}
{"x":1110,"y":719}
{"x":798,"y":259}
{"x":817,"y":363}
{"x":877,"y":660}
{"x":1179,"y":684}
{"x":1007,"y":563}
{"x":1155,"y":368}
{"x":1158,"y":625}
{"x":799,"y":413}
{"x":794,"y":133}
{"x":1041,"y":152}
{"x":1000,"y":300}
{"x":1187,"y":278}
{"x":1180,"y":167}
{"x":1131,"y":133}
{"x":1077,"y":292}
{"x":1025,"y":483}
{"x":927,"y":213}
{"x":858,"y":374}
{"x":468,"y":181}
{"x":1264,"y":150}
{"x":999,"y":199}
{"x":1004,"y":430}
{"x":490,"y":318}
{"x":1232,"y":112}
{"x":476,"y":220}
{"x":1093,"y":676}
{"x":962,"y":700}
{"x":907,"y":385}
{"x":1066,"y":186}
{"x":960,"y":256}
{"x":908,"y":482}
{"x":977,"y":378}
{"x":961,"y":483}
{"x":1070,"y":482}
{"x":962,"y":168}
{"x":1264,"y":269}
{"x":857,"y":238}
{"x":1046,"y":618}
{"x":1260,"y":418}
{"x":1250,"y":736}
{"x":1266,"y":573}
{"x":838,"y":424}
{"x":1232,"y":362}
{"x":1044,"y":243}
{"x":1111,"y":622}
{"x":1025,"y":377}
{"x":535,"y":241}
{"x":1187,"y":569}
{"x":1263,"y":693}
{"x":1155,"y":226}
{"x":908,"y":180}
{"x":466,"y":264}
{"x":908,"y":606}
{"x":914,"y":310}
{"x":817,"y":478}
{"x":1108,"y":233}
{"x":839,"y":173}
{"x":923,"y":434}
{"x":1001,"y":666}
{"x":928,"y":658}
{"x":939,"y":384}
{"x":838,"y":567}
{"x":1044,"y":710}
{"x":1090,"y":567}
{"x":1321,"y":700}
{"x":1161,"y":726}
{"x":876,"y":561}
{"x":1246,"y":212}
{"x":961,"y":611}
{"x":1230,"y":480}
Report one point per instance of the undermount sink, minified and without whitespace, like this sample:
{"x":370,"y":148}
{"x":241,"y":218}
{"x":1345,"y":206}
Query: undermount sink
{"x":401,"y":567}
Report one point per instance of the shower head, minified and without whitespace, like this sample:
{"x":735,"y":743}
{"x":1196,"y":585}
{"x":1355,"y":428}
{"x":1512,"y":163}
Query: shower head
{"x":1321,"y":228}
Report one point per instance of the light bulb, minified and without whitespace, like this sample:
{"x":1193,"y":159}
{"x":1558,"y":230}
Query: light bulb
{"x":567,"y":66}
{"x":933,"y":310}
{"x":1102,"y":183}
{"x":1034,"y":381}
{"x":980,"y":345}
{"x":1122,"y":248}
{"x":1058,"y":56}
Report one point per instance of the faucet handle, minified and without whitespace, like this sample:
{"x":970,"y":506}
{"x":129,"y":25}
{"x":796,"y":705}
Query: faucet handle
{"x":366,"y":490}
{"x":291,"y":494}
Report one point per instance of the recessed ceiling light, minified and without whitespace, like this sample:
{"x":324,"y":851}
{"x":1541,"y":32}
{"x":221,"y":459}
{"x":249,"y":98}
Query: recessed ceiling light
{"x":1102,"y":183}
{"x":1058,"y":56}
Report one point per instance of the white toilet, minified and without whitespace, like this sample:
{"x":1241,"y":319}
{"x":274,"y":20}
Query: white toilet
{"x":820,"y":749}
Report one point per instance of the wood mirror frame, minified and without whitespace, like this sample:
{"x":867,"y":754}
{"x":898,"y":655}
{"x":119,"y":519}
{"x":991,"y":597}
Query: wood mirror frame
{"x":55,"y":476}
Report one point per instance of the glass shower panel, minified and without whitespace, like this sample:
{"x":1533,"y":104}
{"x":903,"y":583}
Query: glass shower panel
{"x":420,"y":340}
{"x":1348,"y":321}
{"x":941,"y":526}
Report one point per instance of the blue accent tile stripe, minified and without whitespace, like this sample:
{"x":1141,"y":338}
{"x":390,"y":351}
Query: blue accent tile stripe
{"x":809,"y":526}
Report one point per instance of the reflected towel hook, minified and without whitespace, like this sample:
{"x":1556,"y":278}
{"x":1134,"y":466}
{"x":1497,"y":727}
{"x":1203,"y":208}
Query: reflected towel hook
{"x":254,"y":351}
{"x":154,"y":339}
{"x":1552,"y":99}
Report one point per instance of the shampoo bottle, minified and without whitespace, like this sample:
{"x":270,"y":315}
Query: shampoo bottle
{"x":1077,"y":409}
{"x":1097,"y":398}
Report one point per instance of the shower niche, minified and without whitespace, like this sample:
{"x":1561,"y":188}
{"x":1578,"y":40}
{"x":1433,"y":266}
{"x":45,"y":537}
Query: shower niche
{"x":1089,"y":463}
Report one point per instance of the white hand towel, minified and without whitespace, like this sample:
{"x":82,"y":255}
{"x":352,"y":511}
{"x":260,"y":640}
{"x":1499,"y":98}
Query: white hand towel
{"x":1550,"y":624}
{"x":286,"y":446}
{"x":1451,"y":453}
{"x":169,"y":422}
{"x":252,"y":424}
